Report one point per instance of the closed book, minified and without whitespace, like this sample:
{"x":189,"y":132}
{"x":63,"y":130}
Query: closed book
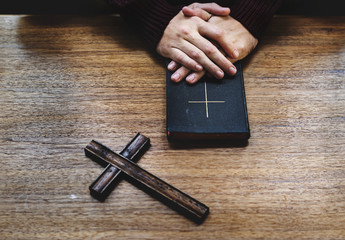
{"x":210,"y":109}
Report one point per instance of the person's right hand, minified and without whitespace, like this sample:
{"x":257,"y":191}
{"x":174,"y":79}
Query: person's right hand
{"x":185,"y":40}
{"x":235,"y":44}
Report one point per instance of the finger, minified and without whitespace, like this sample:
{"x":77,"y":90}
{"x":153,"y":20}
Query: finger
{"x":180,"y":74}
{"x":233,"y":60}
{"x":172,"y":66}
{"x":196,"y":12}
{"x":210,"y":57}
{"x":218,"y":38}
{"x":212,"y":8}
{"x":228,"y":49}
{"x":213,"y":52}
{"x":182,"y":57}
{"x":205,"y":53}
{"x":194,"y":77}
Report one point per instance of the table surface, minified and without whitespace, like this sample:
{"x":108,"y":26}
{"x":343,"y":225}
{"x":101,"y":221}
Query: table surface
{"x":65,"y":80}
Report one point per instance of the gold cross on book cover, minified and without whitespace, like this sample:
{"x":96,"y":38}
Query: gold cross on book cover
{"x":206,"y":101}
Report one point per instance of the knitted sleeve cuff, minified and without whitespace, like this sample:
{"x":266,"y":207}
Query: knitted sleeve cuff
{"x":255,"y":14}
{"x":150,"y":18}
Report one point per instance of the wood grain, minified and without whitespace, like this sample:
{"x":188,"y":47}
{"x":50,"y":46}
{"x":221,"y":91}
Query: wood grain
{"x":65,"y":80}
{"x":171,"y":196}
{"x":105,"y":183}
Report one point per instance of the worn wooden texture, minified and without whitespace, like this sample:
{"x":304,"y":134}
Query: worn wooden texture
{"x":105,"y":183}
{"x":161,"y":190}
{"x":66,"y":80}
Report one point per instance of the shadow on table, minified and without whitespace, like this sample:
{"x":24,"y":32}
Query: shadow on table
{"x":36,"y":33}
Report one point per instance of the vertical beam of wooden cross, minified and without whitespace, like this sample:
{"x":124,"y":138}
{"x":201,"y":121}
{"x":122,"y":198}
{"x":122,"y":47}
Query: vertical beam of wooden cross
{"x":206,"y":101}
{"x":111,"y":176}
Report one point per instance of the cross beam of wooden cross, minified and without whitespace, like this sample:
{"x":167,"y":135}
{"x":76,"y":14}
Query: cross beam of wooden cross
{"x":111,"y":176}
{"x":156,"y":187}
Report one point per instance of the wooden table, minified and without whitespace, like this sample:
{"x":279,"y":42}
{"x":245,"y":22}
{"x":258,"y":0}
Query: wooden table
{"x":65,"y":80}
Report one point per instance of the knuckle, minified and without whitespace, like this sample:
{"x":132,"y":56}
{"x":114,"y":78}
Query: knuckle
{"x":219,"y":33}
{"x":240,"y":47}
{"x":184,"y":30}
{"x":209,"y":50}
{"x":195,"y":55}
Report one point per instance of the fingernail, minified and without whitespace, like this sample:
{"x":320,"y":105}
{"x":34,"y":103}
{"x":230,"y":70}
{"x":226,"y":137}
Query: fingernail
{"x":198,"y":67}
{"x":220,"y":74}
{"x":190,"y":77}
{"x":175,"y":77}
{"x":233,"y":70}
{"x":171,"y":66}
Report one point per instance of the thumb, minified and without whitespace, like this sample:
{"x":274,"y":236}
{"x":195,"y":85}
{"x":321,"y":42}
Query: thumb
{"x":197,"y":12}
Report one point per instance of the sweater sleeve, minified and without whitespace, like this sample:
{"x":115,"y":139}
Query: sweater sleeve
{"x":254,"y":14}
{"x":150,"y":17}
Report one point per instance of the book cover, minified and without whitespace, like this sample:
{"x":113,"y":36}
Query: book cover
{"x":210,"y":109}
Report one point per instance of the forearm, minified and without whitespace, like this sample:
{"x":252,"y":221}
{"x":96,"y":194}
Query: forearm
{"x":150,"y":17}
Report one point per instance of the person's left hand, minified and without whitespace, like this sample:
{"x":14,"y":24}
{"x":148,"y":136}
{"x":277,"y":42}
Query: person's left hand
{"x":236,"y":41}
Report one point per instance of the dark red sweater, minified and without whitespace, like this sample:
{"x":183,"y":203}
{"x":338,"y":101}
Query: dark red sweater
{"x":152,"y":16}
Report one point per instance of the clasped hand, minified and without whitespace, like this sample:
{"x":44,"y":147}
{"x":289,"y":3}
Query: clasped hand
{"x":203,"y":38}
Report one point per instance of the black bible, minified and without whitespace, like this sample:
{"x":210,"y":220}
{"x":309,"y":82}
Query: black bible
{"x":210,"y":109}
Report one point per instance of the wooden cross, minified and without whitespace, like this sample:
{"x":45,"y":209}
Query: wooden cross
{"x":166,"y":193}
